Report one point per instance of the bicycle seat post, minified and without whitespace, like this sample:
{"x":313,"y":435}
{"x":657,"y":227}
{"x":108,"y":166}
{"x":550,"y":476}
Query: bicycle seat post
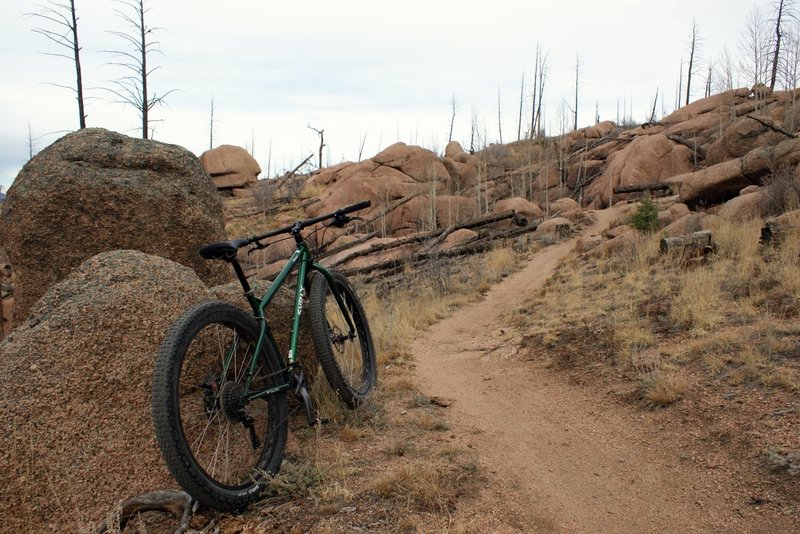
{"x":240,"y":275}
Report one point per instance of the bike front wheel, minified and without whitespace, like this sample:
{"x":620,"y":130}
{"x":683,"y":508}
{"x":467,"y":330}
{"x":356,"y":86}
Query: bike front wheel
{"x":343,"y":347}
{"x":220,"y":446}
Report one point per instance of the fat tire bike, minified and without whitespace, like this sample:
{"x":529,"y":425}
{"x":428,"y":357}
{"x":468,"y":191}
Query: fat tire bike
{"x":220,"y":383}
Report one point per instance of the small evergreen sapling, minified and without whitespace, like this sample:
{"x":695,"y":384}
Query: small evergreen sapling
{"x":645,"y":219}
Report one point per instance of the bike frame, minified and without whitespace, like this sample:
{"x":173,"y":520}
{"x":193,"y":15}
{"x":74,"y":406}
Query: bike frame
{"x":304,"y":261}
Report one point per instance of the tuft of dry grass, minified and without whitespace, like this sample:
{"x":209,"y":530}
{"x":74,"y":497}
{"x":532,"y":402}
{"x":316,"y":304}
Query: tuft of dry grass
{"x":499,"y":263}
{"x":699,"y":302}
{"x":417,"y":485}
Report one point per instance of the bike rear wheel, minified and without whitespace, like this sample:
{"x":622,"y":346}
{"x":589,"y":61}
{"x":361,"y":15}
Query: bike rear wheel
{"x":347,"y":356}
{"x":220,"y":447}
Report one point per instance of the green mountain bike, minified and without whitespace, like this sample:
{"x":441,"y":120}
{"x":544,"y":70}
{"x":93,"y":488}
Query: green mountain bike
{"x":220,"y":384}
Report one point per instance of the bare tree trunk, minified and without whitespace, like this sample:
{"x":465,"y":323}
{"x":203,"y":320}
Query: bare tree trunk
{"x":778,"y":35}
{"x":532,"y":133}
{"x":30,"y":142}
{"x":321,"y":134}
{"x":78,"y":74}
{"x":143,"y":50}
{"x":542,"y":77}
{"x":577,"y":75}
{"x":211,"y":126}
{"x":692,"y":50}
{"x":452,"y":117}
{"x":653,"y":111}
{"x":499,"y":118}
{"x":521,"y":93}
{"x":64,"y":15}
{"x":361,"y":147}
{"x":269,"y":158}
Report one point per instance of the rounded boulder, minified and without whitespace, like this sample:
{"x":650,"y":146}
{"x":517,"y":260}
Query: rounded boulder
{"x":95,"y":190}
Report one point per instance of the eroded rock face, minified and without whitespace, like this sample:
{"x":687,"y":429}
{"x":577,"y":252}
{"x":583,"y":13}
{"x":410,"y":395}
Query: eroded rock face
{"x":230,"y":166}
{"x":95,"y":190}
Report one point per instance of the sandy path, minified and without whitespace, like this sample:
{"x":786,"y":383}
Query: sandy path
{"x":568,"y":459}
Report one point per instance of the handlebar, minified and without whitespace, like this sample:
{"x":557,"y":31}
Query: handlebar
{"x":226,"y":250}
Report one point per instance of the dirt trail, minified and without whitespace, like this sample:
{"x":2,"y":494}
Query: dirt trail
{"x":565,"y":458}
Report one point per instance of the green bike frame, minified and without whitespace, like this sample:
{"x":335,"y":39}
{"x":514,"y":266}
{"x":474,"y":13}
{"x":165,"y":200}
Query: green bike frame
{"x":304,"y":262}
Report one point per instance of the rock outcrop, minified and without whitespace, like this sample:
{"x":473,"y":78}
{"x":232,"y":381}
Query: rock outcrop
{"x":95,"y":190}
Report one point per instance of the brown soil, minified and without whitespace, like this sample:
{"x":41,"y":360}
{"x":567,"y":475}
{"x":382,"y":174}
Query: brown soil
{"x":573,"y":457}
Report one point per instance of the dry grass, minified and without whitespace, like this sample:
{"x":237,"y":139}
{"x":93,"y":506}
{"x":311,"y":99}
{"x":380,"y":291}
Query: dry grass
{"x":733,"y":317}
{"x":421,"y":485}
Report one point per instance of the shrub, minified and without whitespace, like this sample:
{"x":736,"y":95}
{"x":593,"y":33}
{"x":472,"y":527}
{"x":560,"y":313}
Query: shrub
{"x":645,"y":219}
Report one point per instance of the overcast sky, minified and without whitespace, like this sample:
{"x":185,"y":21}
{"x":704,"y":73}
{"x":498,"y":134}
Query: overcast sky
{"x":387,"y":71}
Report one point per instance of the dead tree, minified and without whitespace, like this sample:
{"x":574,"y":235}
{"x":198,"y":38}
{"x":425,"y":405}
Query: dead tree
{"x":539,"y":77}
{"x":499,"y":118}
{"x":784,"y":12}
{"x":521,"y":99}
{"x":321,"y":134}
{"x":694,"y":48}
{"x":63,"y":31}
{"x":211,"y":127}
{"x":653,"y":111}
{"x":133,"y":89}
{"x":577,"y":78}
{"x":452,"y":117}
{"x":754,"y":49}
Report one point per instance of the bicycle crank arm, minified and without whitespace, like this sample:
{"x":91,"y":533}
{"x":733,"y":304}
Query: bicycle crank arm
{"x":301,"y":392}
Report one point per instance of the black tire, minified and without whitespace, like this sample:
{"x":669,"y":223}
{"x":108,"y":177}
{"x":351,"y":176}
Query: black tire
{"x":347,"y":361}
{"x":200,"y":423}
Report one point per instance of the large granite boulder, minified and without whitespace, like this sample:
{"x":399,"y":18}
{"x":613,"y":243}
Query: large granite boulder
{"x":95,"y":190}
{"x":76,"y":433}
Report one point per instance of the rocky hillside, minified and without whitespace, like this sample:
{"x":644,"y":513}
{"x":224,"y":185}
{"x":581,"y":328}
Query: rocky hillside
{"x":732,"y":155}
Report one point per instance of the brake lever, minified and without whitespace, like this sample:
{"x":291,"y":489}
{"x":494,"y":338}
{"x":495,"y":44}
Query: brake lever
{"x":341,"y":220}
{"x":257,"y":246}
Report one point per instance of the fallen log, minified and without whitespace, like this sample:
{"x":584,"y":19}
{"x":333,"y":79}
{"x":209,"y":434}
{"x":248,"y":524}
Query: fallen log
{"x":691,"y":246}
{"x":699,"y":151}
{"x":772,"y":126}
{"x":417,"y":238}
{"x":775,"y":230}
{"x":696,"y":239}
{"x":473,"y":246}
{"x":640,"y":188}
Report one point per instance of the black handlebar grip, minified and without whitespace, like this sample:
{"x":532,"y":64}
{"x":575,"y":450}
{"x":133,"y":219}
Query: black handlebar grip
{"x":356,"y":207}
